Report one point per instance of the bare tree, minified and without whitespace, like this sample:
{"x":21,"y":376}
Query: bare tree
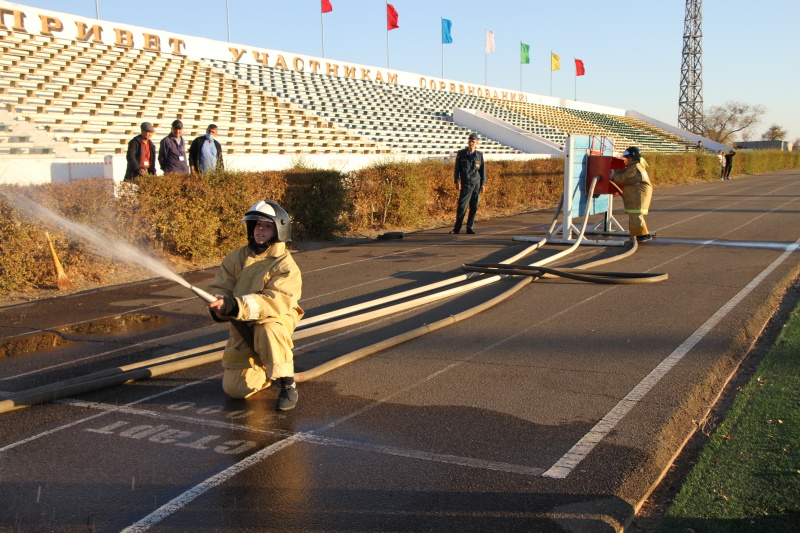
{"x":722,"y":123}
{"x":796,"y":146}
{"x":774,"y":133}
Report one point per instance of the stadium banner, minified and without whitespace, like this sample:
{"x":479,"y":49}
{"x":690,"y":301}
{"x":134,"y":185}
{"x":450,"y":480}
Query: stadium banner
{"x":16,"y":17}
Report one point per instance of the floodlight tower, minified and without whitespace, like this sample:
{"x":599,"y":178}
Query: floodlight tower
{"x":690,"y":114}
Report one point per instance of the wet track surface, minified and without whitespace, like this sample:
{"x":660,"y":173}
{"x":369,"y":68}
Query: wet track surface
{"x":555,"y":410}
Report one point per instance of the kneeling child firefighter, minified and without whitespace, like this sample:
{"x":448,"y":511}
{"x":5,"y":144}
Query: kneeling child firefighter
{"x":259,"y":287}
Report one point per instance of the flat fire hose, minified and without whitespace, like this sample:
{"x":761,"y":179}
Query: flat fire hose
{"x":603,"y":277}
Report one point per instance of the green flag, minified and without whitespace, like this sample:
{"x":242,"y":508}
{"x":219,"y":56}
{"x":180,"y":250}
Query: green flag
{"x":524,"y":53}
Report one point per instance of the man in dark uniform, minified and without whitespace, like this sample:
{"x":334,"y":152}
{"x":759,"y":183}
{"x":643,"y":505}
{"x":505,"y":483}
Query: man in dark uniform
{"x":470,"y":179}
{"x":141,"y":154}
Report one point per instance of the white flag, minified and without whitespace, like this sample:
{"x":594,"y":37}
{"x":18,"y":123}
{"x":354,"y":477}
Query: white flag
{"x":489,"y":42}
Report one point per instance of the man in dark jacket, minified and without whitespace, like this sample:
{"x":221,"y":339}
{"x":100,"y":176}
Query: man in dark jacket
{"x":172,"y":151}
{"x":205,"y":153}
{"x":141,"y":154}
{"x":470,"y":179}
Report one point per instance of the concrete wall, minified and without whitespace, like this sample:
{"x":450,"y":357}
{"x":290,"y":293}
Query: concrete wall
{"x":339,"y":162}
{"x":766,"y":145}
{"x":37,"y":170}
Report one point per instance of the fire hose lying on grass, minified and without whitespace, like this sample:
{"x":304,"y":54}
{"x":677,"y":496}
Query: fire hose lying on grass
{"x":355,"y":314}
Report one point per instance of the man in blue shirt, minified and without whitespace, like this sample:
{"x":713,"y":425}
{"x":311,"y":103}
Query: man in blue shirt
{"x":205,"y":153}
{"x":470,"y":179}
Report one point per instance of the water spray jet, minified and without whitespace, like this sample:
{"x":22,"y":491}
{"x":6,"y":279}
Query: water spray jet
{"x":102,"y":244}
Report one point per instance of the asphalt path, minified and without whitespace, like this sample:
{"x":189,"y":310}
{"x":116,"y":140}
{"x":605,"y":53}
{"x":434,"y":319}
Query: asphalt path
{"x":555,"y":410}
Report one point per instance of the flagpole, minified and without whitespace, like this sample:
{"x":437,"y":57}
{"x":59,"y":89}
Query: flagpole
{"x":442,"y":26}
{"x":486,"y":63}
{"x":228,"y":18}
{"x":388,"y":55}
{"x":520,"y":66}
{"x":322,"y":22}
{"x":97,"y":8}
{"x":576,"y":79}
{"x":551,"y":73}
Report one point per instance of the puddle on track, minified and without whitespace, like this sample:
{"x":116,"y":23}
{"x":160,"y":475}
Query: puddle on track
{"x":128,"y":324}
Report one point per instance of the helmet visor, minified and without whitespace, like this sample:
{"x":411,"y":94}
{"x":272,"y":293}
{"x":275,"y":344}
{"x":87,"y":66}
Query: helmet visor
{"x":254,"y":217}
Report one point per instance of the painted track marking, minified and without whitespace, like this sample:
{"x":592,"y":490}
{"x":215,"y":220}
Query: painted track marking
{"x":586,"y":444}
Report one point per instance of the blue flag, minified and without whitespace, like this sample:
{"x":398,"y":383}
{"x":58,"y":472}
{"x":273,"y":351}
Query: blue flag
{"x":447,"y":25}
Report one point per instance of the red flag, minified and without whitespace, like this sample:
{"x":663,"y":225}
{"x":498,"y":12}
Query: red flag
{"x":326,"y":6}
{"x":579,"y":70}
{"x":391,"y":17}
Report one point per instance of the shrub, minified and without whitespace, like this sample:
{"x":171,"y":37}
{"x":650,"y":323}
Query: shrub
{"x":199,"y":217}
{"x":316,"y":200}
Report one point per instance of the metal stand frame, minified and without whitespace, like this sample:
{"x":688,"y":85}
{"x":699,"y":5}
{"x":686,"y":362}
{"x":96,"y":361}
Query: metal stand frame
{"x":578,"y":204}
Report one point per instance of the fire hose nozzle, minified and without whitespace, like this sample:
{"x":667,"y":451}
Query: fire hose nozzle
{"x":203,"y":294}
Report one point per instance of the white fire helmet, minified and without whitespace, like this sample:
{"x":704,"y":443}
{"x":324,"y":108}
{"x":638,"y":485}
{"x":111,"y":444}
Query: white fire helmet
{"x":269,"y":210}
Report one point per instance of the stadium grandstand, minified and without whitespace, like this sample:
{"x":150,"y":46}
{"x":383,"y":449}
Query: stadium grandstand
{"x":74,"y":91}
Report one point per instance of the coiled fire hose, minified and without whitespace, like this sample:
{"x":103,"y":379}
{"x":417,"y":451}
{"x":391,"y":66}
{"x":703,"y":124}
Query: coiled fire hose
{"x":618,"y":278}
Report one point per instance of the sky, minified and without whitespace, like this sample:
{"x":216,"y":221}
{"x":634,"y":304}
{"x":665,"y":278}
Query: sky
{"x":631,"y":49}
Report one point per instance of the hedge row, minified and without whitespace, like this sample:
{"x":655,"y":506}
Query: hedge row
{"x":197,"y":218}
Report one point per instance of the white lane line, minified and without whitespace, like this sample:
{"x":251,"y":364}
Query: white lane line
{"x":48,"y":432}
{"x":401,"y":252}
{"x":160,"y":342}
{"x":55,"y":329}
{"x":172,"y":417}
{"x":195,"y":492}
{"x":728,"y":206}
{"x":698,"y":196}
{"x":302,"y":348}
{"x":313,"y":438}
{"x":581,"y":449}
{"x":92,"y":417}
{"x":764,"y":245}
{"x":457,"y":262}
{"x":426,"y":456}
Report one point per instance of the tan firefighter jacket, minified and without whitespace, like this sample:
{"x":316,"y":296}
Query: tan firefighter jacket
{"x":267,"y":288}
{"x":636,"y":187}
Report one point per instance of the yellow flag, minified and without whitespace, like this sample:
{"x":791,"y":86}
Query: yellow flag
{"x":555,"y":62}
